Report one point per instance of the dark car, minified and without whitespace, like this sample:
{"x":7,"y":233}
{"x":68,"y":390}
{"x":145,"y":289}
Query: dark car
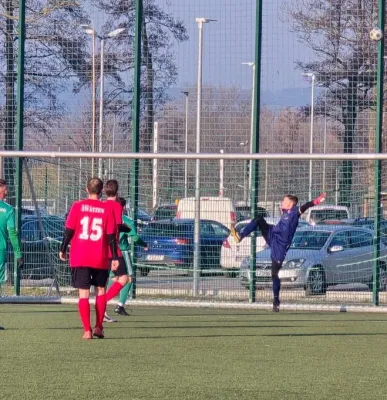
{"x":171,"y":243}
{"x":36,"y":247}
{"x":166,"y":211}
{"x":244,"y":212}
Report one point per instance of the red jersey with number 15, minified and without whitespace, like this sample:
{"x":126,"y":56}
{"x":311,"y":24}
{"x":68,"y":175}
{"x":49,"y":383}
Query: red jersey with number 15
{"x":92,"y":221}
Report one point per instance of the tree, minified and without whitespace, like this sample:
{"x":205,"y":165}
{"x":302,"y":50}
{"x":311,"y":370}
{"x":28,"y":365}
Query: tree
{"x":55,"y":55}
{"x":159,"y":72}
{"x":345,"y":64}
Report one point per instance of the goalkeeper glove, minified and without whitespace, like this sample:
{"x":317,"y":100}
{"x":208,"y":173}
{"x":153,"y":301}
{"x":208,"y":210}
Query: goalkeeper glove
{"x":319,"y":199}
{"x":20,"y":262}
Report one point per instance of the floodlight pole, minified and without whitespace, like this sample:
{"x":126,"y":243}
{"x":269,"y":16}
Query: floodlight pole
{"x":186,"y":94}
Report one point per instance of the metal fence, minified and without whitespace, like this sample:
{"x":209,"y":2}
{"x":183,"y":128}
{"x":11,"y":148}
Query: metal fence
{"x":279,"y":77}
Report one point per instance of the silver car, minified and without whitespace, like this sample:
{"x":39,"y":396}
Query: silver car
{"x":322,"y":256}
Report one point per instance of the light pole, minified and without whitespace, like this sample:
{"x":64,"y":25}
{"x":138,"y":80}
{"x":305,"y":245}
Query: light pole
{"x":325,"y":135}
{"x":186,"y":94}
{"x":91,"y":31}
{"x":200,"y":22}
{"x":313,"y":76}
{"x":252,"y":65}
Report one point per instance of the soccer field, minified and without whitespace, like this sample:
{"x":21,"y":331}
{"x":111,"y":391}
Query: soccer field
{"x":176,"y":353}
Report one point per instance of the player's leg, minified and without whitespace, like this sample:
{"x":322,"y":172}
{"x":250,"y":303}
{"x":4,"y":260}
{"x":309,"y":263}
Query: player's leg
{"x":122,"y":279}
{"x":275,"y":268}
{"x":99,"y":280}
{"x":3,"y":266}
{"x":81,"y":280}
{"x":124,"y":294}
{"x":255,"y":223}
{"x":112,"y":278}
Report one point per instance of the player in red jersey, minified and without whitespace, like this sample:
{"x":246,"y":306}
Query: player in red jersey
{"x":119,"y":277}
{"x":91,"y":229}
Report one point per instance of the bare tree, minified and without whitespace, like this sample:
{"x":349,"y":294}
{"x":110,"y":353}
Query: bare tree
{"x":345,"y":62}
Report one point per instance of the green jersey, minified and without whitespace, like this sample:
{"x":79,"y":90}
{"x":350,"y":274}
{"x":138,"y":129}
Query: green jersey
{"x":8,"y":229}
{"x":127,"y":237}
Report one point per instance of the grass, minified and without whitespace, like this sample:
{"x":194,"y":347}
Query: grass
{"x":176,"y":353}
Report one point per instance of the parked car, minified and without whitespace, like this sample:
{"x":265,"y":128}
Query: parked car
{"x":232,"y":253}
{"x":171,"y":243}
{"x":317,"y":214}
{"x":220,"y":209}
{"x":243,"y":212}
{"x":143,"y":217}
{"x":165,"y":211}
{"x":35,"y":246}
{"x":322,"y":256}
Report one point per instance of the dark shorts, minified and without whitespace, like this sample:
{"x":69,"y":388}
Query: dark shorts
{"x":84,"y":277}
{"x":122,"y":269}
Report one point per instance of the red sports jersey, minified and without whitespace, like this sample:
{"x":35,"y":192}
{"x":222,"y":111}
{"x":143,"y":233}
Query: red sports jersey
{"x":116,"y":209}
{"x":92,"y":221}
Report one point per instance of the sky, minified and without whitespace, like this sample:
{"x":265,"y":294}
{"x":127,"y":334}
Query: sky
{"x":230,"y":41}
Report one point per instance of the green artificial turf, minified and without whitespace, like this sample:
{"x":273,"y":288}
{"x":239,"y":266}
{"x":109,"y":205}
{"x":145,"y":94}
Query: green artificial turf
{"x":176,"y":353}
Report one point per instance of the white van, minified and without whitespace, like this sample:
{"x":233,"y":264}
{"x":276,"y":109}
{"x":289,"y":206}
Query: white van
{"x":220,"y":209}
{"x":319,"y":214}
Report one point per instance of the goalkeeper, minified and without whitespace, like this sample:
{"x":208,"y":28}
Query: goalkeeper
{"x":7,"y":230}
{"x":278,"y":237}
{"x":125,"y":245}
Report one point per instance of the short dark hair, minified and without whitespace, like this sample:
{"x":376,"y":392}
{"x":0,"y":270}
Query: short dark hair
{"x":292,"y":198}
{"x":3,"y":182}
{"x":122,"y":201}
{"x":94,"y":186}
{"x":111,"y":188}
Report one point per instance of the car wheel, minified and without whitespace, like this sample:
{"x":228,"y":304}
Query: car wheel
{"x":316,"y":282}
{"x":143,"y":271}
{"x":231,"y":274}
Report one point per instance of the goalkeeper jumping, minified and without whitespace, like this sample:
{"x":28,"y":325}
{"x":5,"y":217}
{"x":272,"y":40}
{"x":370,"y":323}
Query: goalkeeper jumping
{"x":278,"y":237}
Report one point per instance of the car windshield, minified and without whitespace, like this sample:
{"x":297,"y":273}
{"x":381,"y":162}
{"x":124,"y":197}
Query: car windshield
{"x":322,"y":215}
{"x":168,"y":230}
{"x":313,"y":240}
{"x":166,"y":213}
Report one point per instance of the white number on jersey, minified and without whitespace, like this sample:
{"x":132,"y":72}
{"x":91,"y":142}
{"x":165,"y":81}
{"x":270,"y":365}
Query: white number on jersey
{"x":96,"y":229}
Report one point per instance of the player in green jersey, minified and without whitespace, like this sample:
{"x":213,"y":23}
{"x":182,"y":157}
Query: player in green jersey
{"x":7,"y":230}
{"x":126,"y":239}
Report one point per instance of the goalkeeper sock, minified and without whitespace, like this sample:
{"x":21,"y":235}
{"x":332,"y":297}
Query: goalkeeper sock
{"x":124,"y":294}
{"x":113,"y":291}
{"x":276,"y":288}
{"x":84,"y":313}
{"x":100,"y":309}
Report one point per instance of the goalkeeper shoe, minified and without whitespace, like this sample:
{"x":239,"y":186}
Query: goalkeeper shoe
{"x":276,"y":305}
{"x":106,"y":318}
{"x":235,"y":234}
{"x":120,"y":310}
{"x":2,"y":328}
{"x":98,"y":332}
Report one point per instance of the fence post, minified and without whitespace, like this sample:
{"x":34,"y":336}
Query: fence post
{"x":19,"y":131}
{"x":378,"y":149}
{"x":136,"y":126}
{"x":255,"y":145}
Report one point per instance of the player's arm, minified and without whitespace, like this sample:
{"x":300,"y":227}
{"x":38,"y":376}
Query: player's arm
{"x":14,"y":237}
{"x":312,"y":203}
{"x":68,"y":233}
{"x":122,"y":228}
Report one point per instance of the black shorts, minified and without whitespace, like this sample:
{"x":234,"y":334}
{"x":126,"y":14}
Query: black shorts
{"x":84,"y":277}
{"x":122,"y":268}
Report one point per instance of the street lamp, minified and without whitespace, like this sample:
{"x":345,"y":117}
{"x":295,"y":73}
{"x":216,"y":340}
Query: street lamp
{"x":186,"y":94}
{"x":91,"y":31}
{"x":200,"y":21}
{"x":252,"y":65}
{"x":313,"y":76}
